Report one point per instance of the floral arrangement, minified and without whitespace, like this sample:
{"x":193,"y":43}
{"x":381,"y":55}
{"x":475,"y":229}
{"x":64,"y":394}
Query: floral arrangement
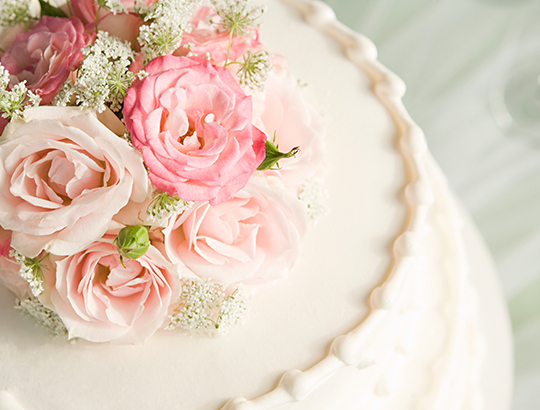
{"x":157,"y":164}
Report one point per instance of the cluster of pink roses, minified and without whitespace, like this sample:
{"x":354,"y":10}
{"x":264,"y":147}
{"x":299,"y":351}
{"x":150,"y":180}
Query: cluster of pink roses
{"x":69,"y":183}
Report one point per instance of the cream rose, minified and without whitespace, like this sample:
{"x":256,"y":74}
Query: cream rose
{"x":63,"y":176}
{"x":253,"y":238}
{"x":100,"y":300}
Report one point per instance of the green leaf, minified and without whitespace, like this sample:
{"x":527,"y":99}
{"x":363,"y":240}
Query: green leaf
{"x":273,"y":155}
{"x":48,"y":10}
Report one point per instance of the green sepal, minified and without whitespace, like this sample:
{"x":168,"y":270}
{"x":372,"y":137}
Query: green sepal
{"x":273,"y":155}
{"x":132,"y":242}
{"x":51,"y":11}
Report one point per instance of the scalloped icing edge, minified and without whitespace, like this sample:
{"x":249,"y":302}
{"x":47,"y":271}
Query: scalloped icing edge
{"x":295,"y":385}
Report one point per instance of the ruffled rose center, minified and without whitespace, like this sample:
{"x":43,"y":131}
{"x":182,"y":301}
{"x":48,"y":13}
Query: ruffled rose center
{"x":192,"y":117}
{"x":226,"y":232}
{"x":113,"y":292}
{"x":54,"y":178}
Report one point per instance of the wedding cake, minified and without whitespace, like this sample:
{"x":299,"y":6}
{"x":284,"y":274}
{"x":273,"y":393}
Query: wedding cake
{"x":391,"y":301}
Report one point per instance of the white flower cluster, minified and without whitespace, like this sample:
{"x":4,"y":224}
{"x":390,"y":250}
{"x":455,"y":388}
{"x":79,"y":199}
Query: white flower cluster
{"x":204,"y":305}
{"x":164,"y":22}
{"x":13,"y":102}
{"x":236,"y":17}
{"x":14,"y":11}
{"x":313,"y":195}
{"x":42,"y":315}
{"x":115,"y":6}
{"x":254,"y":70}
{"x":104,"y":77}
{"x":30,"y":271}
{"x":164,"y":205}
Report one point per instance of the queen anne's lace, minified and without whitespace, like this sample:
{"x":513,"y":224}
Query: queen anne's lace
{"x":254,"y":70}
{"x":164,"y":205}
{"x":164,"y":22}
{"x":204,"y":305}
{"x":14,"y":11}
{"x":104,"y":77}
{"x":313,"y":195}
{"x":42,"y":315}
{"x":30,"y":271}
{"x":115,"y":6}
{"x":13,"y":102}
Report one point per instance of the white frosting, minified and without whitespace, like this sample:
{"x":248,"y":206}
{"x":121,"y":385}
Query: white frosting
{"x":379,"y":312}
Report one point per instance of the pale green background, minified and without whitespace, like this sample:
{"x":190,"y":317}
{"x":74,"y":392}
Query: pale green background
{"x":456,"y":57}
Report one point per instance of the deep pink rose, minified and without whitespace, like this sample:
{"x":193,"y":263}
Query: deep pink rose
{"x":253,"y":238}
{"x":192,"y":122}
{"x":63,"y":176}
{"x":45,"y":55}
{"x":281,"y":110}
{"x":100,"y":300}
{"x":205,"y":39}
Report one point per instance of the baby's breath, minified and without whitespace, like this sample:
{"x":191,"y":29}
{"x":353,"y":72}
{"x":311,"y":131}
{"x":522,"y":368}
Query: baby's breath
{"x":13,"y":102}
{"x":14,"y":11}
{"x":204,"y":305}
{"x":42,"y":315}
{"x":31,"y":271}
{"x":254,"y":70}
{"x":164,"y":22}
{"x":104,"y":77}
{"x":313,"y":195}
{"x":163,"y":205}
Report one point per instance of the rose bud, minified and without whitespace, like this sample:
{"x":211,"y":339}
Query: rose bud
{"x":132,"y":242}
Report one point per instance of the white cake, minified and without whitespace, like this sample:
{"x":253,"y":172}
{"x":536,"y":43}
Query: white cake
{"x":393,"y":303}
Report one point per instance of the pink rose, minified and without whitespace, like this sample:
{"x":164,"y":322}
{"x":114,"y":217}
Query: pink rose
{"x":100,"y":300}
{"x":204,"y":38}
{"x":253,"y":238}
{"x":282,"y":109}
{"x":192,"y":123}
{"x":63,"y":175}
{"x":45,"y":55}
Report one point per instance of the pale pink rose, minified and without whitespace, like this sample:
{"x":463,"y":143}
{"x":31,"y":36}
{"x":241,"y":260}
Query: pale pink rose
{"x":253,"y":238}
{"x":205,"y":39}
{"x":282,"y":110}
{"x":192,"y":122}
{"x":9,"y":269}
{"x":10,"y":279}
{"x":100,"y":300}
{"x":125,"y":26}
{"x":45,"y":55}
{"x":63,"y":176}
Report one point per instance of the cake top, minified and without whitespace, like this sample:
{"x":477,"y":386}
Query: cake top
{"x":158,"y":165}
